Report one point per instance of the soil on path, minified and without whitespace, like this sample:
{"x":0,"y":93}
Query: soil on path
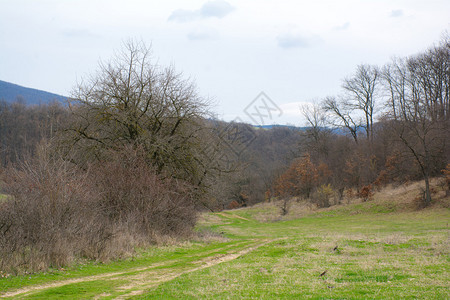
{"x":141,"y":279}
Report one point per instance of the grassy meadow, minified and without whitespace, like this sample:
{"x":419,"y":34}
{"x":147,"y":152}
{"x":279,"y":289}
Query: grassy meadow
{"x":382,"y":249}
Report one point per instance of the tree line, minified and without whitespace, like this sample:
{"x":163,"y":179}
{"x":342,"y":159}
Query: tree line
{"x":22,"y":127}
{"x":396,"y":124}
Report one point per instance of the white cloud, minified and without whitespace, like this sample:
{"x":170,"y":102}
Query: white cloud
{"x":202,"y":34}
{"x":396,"y":13}
{"x":290,"y":40}
{"x":293,"y":112}
{"x":344,"y":26}
{"x":183,"y":15}
{"x":79,"y":33}
{"x":217,"y":9}
{"x":309,"y":58}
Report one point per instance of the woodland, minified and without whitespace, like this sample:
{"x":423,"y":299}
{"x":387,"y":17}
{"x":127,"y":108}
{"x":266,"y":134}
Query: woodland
{"x":134,"y":155}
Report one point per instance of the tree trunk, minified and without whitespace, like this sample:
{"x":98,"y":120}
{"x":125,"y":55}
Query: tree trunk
{"x":427,"y":194}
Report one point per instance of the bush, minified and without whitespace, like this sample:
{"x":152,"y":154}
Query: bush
{"x":132,"y":193}
{"x":323,"y":194}
{"x":49,"y":217}
{"x":233,"y":205}
{"x":57,"y":213}
{"x":366,"y":192}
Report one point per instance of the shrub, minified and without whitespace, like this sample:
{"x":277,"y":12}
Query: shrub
{"x":323,"y":194}
{"x":49,"y":217}
{"x":382,"y":179}
{"x":57,"y":212}
{"x":233,"y":205}
{"x":366,"y":192}
{"x":132,"y":193}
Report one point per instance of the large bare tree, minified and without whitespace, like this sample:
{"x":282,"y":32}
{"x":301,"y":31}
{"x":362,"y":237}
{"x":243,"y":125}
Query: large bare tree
{"x":361,"y":89}
{"x":356,"y":107}
{"x":132,"y":101}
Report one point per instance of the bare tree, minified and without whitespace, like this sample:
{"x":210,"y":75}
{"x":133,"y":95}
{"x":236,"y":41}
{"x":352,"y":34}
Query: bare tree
{"x":132,"y":101}
{"x":317,"y":135}
{"x":419,"y":93}
{"x":357,"y":101}
{"x":341,"y":116}
{"x":361,"y":89}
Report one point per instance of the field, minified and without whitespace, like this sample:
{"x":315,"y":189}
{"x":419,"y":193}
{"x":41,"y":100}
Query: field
{"x":382,"y":249}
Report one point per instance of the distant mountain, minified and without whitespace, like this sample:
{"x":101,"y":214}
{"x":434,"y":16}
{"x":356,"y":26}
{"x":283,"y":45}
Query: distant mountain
{"x":336,"y":130}
{"x":281,"y":126}
{"x":11,"y":92}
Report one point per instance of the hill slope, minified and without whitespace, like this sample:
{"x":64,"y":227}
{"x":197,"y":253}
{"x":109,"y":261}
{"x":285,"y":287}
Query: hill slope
{"x":11,"y":92}
{"x":380,"y":249}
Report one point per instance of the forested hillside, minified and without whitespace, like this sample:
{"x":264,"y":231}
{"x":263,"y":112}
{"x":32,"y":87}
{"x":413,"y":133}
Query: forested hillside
{"x":397,"y":123}
{"x":136,"y":155}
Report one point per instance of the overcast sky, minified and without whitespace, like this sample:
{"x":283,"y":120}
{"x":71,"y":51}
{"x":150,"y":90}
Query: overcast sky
{"x":294,"y":51}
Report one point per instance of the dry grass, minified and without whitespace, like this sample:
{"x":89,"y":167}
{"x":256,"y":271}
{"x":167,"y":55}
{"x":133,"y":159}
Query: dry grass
{"x":403,"y":198}
{"x":407,"y":196}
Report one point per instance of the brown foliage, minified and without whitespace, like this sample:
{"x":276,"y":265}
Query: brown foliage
{"x":366,"y":192}
{"x":382,"y":178}
{"x":299,"y":179}
{"x":233,"y":205}
{"x":324,"y":173}
{"x":351,"y":174}
{"x":267,"y":195}
{"x":349,"y":193}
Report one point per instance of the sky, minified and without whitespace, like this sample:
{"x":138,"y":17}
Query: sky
{"x":247,"y":57}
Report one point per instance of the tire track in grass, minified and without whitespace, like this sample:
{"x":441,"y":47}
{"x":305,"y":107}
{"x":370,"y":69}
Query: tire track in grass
{"x":232,"y":216}
{"x":140,"y":285}
{"x":37,"y":288}
{"x":151,"y":275}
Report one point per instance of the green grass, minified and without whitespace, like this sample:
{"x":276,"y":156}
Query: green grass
{"x":179,"y":254}
{"x":378,"y":256}
{"x":85,"y":290}
{"x":381,"y":253}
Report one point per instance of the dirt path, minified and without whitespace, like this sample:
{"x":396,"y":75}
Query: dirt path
{"x":231,"y":216}
{"x":147,"y":277}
